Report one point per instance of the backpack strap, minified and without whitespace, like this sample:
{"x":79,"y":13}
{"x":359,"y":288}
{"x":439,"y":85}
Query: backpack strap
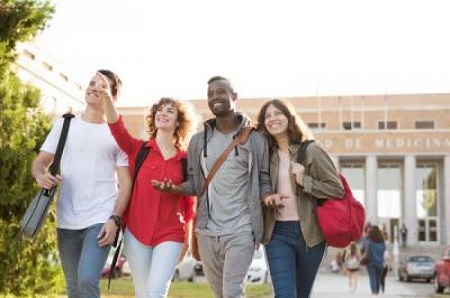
{"x":140,"y":158}
{"x":301,"y":155}
{"x":142,"y":155}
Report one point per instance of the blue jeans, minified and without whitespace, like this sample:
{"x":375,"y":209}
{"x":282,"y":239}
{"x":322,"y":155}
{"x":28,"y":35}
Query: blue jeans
{"x":151,"y":267}
{"x":293,"y":265}
{"x":375,"y":272}
{"x":82,"y":260}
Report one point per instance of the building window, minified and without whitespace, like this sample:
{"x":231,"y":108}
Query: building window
{"x":424,"y":124}
{"x":47,"y":66}
{"x":347,"y":125}
{"x":387,"y":124}
{"x":355,"y":174}
{"x":427,"y":202}
{"x":389,"y":190}
{"x":64,"y":77}
{"x":29,"y":55}
{"x":317,"y":125}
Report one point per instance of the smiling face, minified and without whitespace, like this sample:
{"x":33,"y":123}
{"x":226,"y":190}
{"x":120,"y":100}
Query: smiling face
{"x":166,"y":117}
{"x":221,"y":98}
{"x":275,"y":121}
{"x":92,"y":95}
{"x":107,"y":79}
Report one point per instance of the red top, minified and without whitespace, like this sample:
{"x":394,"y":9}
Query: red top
{"x":153,"y":216}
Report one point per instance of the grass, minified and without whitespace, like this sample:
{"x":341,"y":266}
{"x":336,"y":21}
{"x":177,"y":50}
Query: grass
{"x":123,"y":288}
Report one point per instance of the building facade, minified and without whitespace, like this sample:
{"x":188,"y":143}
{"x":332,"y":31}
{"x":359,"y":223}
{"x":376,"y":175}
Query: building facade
{"x":61,"y":91}
{"x":394,"y":150}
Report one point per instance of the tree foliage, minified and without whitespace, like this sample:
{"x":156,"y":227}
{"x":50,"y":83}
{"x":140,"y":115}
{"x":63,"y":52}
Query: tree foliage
{"x":26,"y":269}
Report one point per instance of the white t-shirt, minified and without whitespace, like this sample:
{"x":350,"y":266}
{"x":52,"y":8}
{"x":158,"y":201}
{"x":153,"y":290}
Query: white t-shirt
{"x":88,"y":190}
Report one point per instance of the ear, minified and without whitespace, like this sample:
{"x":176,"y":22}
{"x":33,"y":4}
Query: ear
{"x":235,"y":96}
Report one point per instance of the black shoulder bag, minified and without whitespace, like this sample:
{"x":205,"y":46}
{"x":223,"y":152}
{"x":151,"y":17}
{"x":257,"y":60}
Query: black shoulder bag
{"x":34,"y":217}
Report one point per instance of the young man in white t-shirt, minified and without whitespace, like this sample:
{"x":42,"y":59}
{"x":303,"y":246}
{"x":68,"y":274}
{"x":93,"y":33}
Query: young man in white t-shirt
{"x":95,"y":186}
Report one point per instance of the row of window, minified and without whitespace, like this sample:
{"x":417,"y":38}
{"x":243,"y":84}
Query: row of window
{"x":382,"y":125}
{"x":47,"y":66}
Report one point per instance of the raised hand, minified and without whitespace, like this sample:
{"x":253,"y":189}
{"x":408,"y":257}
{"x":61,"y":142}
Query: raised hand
{"x":104,"y":88}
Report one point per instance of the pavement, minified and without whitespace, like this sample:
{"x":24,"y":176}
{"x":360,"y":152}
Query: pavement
{"x":335,"y":285}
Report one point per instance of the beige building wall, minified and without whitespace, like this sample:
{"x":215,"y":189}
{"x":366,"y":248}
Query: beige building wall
{"x":400,"y":174}
{"x":60,"y":89}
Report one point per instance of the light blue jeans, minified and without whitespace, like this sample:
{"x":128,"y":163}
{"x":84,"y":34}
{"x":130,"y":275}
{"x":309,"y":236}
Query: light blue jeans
{"x":82,"y":260}
{"x":151,"y":267}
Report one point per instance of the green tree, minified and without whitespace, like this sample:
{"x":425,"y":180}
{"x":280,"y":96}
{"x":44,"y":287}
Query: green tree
{"x":26,"y":269}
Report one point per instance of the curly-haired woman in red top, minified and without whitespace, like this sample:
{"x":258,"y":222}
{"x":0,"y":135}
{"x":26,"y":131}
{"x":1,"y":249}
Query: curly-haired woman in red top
{"x":158,"y":224}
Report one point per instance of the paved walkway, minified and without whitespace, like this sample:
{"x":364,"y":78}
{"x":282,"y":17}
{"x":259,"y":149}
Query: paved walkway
{"x":336,"y":286}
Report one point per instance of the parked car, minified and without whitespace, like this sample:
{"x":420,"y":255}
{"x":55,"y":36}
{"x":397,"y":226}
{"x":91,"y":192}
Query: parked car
{"x":416,"y":267}
{"x":119,"y":270}
{"x":442,"y":272}
{"x":187,"y":269}
{"x":258,"y":272}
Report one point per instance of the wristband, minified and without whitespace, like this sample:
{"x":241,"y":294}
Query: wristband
{"x":117,"y":220}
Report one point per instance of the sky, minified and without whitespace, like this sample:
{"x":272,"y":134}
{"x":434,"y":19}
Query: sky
{"x":278,"y":48}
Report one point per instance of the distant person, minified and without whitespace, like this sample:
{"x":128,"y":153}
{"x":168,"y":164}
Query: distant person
{"x":158,"y":225}
{"x":95,"y":186}
{"x":375,"y":247}
{"x":387,"y":266}
{"x":352,"y":266}
{"x":294,"y":243}
{"x":229,"y":216}
{"x":363,"y":240}
{"x":384,"y":231}
{"x":404,"y":235}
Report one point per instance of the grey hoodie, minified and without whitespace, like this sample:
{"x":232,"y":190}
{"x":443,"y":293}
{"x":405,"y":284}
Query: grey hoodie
{"x":259,"y":173}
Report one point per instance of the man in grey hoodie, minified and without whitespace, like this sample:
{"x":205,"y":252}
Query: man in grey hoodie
{"x":229,"y":215}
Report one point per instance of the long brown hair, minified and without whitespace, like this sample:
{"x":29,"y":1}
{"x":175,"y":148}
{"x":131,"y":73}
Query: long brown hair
{"x":375,"y":234}
{"x":297,"y":129}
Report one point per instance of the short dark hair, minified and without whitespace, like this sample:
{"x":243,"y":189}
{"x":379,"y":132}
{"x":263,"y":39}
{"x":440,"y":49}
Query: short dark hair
{"x":221,"y":78}
{"x":115,"y":81}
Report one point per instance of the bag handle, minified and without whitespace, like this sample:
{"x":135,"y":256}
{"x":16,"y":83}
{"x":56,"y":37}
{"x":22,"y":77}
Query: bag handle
{"x":240,"y":139}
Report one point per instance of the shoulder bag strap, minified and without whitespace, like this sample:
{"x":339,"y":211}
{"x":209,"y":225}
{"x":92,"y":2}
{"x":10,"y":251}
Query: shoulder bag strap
{"x":240,"y":139}
{"x":54,"y":168}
